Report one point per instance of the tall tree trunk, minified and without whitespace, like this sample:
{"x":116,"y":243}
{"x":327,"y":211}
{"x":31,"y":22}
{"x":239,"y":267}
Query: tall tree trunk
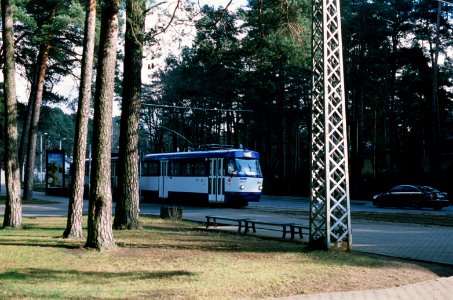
{"x":25,"y":131}
{"x":127,"y":206}
{"x":36,"y":102}
{"x":13,"y":209}
{"x":100,"y":235}
{"x":75,"y":209}
{"x":26,"y":127}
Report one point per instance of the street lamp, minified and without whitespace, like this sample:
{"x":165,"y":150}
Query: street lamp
{"x":61,"y":141}
{"x":40,"y":171}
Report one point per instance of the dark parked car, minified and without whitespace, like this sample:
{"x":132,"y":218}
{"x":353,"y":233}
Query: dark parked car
{"x":413,"y":196}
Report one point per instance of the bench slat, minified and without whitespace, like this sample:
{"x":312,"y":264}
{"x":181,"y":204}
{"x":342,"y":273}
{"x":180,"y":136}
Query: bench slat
{"x":252,"y":224}
{"x":215,"y":218}
{"x":249,"y":224}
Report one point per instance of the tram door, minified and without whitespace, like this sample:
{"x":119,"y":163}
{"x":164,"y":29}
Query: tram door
{"x":216,"y":180}
{"x":163,"y":179}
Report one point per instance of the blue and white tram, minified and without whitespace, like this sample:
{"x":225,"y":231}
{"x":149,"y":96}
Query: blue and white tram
{"x":231,"y":177}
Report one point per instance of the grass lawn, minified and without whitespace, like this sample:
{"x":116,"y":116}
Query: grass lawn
{"x":175,"y":260}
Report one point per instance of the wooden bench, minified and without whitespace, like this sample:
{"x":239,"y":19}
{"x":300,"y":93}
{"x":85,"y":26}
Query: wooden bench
{"x":292,"y":228}
{"x":212,"y":220}
{"x":251,"y":224}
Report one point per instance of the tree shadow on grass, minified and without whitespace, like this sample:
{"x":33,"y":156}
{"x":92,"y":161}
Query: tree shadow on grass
{"x":88,"y":276}
{"x":34,"y":227}
{"x":41,"y":243}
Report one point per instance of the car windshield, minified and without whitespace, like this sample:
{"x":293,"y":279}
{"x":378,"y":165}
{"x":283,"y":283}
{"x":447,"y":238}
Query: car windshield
{"x":244,"y":167}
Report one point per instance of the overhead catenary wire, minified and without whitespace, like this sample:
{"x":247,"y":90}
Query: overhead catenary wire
{"x":198,"y":108}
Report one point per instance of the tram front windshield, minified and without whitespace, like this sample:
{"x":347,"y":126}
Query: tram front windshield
{"x":244,"y":167}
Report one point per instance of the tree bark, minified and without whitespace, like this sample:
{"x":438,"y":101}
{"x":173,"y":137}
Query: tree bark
{"x":100,"y":235}
{"x":75,"y":209}
{"x":13,"y":208}
{"x":36,"y":102}
{"x":35,"y":107}
{"x":127,"y":206}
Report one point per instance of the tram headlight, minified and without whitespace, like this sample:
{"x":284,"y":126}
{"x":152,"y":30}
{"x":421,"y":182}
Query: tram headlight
{"x":260,"y":188}
{"x":242,"y":187}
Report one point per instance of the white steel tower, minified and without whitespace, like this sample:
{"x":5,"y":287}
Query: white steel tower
{"x":330,"y":219}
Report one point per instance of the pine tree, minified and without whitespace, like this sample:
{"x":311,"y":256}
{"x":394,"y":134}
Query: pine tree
{"x":127,"y":203}
{"x":100,"y":235}
{"x":75,"y":209}
{"x":13,"y":208}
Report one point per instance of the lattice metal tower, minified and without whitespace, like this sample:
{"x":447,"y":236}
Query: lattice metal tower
{"x":330,"y":220}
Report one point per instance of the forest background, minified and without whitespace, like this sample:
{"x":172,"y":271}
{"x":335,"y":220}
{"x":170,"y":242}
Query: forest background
{"x":244,"y":79}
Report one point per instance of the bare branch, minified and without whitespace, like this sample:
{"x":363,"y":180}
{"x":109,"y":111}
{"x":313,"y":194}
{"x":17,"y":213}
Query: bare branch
{"x":223,"y":13}
{"x":171,"y":20}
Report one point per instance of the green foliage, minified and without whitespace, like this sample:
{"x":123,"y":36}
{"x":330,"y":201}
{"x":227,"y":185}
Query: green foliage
{"x":20,"y":13}
{"x":57,"y":125}
{"x":389,"y":80}
{"x":250,"y":65}
{"x":258,"y":58}
{"x":37,"y":24}
{"x":283,"y":28}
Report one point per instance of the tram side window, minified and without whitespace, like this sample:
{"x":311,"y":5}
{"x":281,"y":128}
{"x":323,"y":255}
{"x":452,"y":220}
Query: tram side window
{"x":175,"y":168}
{"x":151,"y":168}
{"x":179,"y":168}
{"x":185,"y":168}
{"x":199,"y":167}
{"x":192,"y":167}
{"x":143,"y":169}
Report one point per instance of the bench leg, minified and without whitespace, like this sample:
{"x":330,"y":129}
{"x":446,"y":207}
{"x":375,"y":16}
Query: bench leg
{"x":284,"y":232}
{"x":209,"y":222}
{"x":239,"y":226}
{"x":247,"y":226}
{"x":292,"y":229}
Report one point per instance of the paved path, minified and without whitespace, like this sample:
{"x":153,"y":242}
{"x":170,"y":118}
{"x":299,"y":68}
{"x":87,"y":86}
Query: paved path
{"x":424,"y":243}
{"x":438,"y":289}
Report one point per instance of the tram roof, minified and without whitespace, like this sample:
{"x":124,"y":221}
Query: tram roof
{"x":238,"y":153}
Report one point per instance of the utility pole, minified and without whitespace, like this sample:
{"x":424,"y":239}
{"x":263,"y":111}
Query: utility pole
{"x":330,"y":219}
